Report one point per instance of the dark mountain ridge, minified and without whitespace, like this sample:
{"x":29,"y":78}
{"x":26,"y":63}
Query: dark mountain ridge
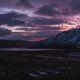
{"x":67,"y":39}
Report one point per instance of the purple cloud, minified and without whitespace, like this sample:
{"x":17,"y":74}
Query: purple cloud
{"x":25,"y":3}
{"x":45,"y":21}
{"x":15,"y":3}
{"x":47,"y":11}
{"x":11,"y":19}
{"x":4,"y":32}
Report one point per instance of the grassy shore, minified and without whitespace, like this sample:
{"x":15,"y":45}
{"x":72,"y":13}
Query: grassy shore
{"x":38,"y":65}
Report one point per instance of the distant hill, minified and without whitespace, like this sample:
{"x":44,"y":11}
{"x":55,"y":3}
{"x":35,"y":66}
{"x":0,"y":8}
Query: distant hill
{"x":20,"y":44}
{"x":14,"y":44}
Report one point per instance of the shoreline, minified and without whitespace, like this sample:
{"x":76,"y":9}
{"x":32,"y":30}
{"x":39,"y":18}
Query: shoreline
{"x":36,"y":49}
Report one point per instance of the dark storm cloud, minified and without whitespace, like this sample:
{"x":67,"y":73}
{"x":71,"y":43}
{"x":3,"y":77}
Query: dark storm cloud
{"x":47,"y":10}
{"x":71,"y":7}
{"x":11,"y":19}
{"x":15,"y":3}
{"x":4,"y":32}
{"x":26,"y":3}
{"x":63,"y":7}
{"x":75,"y":4}
{"x":44,"y":21}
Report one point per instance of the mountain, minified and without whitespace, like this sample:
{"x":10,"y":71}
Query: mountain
{"x":66,"y":39}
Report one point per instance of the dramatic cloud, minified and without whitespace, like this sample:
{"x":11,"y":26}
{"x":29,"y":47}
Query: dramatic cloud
{"x":26,"y":3}
{"x":45,"y":17}
{"x":15,"y":3}
{"x":75,"y":4}
{"x":47,"y":10}
{"x":44,"y":21}
{"x":70,"y":7}
{"x":11,"y":19}
{"x":4,"y":32}
{"x":60,"y":7}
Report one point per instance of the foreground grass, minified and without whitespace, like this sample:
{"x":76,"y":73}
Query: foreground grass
{"x":38,"y":65}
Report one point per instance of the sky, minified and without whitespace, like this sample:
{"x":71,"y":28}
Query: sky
{"x":36,"y":20}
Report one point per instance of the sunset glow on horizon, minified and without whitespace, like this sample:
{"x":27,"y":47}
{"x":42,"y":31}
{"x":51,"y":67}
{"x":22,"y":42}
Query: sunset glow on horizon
{"x":38,"y":19}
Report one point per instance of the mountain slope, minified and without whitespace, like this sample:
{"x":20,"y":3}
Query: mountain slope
{"x":67,"y":39}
